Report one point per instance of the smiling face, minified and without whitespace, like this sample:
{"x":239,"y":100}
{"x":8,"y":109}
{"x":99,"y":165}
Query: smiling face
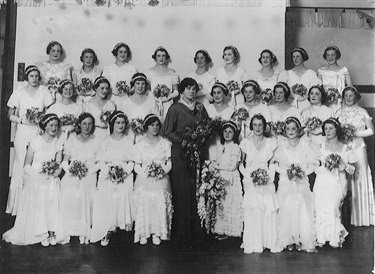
{"x":331,"y":57}
{"x":266,"y":59}
{"x":218,"y":95}
{"x":228,"y":56}
{"x":200,"y":59}
{"x":33,"y":78}
{"x":189,"y":92}
{"x":139,"y":87}
{"x":330,"y":131}
{"x":315,"y":96}
{"x":257,"y":127}
{"x":350,"y":98}
{"x":67,"y":91}
{"x":119,"y":125}
{"x":228,"y":134}
{"x":55,"y":53}
{"x":249,"y":93}
{"x":297,"y":58}
{"x":153,"y":129}
{"x":279,"y":95}
{"x":291,"y":130}
{"x":86,"y":126}
{"x":88,"y":59}
{"x":52,"y":127}
{"x":122,"y":54}
{"x":102,"y":90}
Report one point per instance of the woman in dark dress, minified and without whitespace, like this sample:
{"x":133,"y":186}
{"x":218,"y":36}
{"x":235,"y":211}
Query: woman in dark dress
{"x":182,"y":114}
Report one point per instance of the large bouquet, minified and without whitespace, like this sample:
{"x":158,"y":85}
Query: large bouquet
{"x":104,"y":116}
{"x":295,"y":172}
{"x":333,"y":96}
{"x":211,"y":191}
{"x":161,"y":91}
{"x":155,"y":171}
{"x":85,"y":87}
{"x":33,"y":115}
{"x":299,"y":89}
{"x":216,"y":123}
{"x":313,"y":123}
{"x":68,"y":120}
{"x":266,"y":96}
{"x":50,"y":167}
{"x":233,"y":86}
{"x":137,"y":126}
{"x":348,"y":133}
{"x":278,"y":127}
{"x":332,"y":161}
{"x":240,"y":115}
{"x":78,"y":169}
{"x":195,"y":137}
{"x":117,"y":174}
{"x":53,"y":84}
{"x":260,"y":177}
{"x":123,"y":88}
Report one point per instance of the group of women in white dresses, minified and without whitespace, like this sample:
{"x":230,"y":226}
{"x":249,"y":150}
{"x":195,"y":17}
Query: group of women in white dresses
{"x":105,"y":111}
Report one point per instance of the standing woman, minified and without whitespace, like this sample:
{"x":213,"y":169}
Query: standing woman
{"x":113,"y":200}
{"x":267,"y":76}
{"x":153,"y":199}
{"x":184,"y":113}
{"x":84,"y":77}
{"x":38,"y":216}
{"x":300,"y":74}
{"x":100,"y":106}
{"x":231,"y":71}
{"x":54,"y":70}
{"x":77,"y":194}
{"x":204,"y":79}
{"x":23,"y":98}
{"x":161,"y":74}
{"x":119,"y":71}
{"x":361,"y":182}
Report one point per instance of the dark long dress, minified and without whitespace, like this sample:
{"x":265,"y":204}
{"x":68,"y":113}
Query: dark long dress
{"x":185,"y":223}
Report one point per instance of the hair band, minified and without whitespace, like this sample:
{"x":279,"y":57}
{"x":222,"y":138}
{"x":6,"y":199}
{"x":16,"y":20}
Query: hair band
{"x":31,"y":68}
{"x":294,"y":119}
{"x":230,"y":124}
{"x":148,"y":117}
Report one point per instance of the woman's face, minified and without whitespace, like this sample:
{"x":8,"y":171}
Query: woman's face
{"x":279,"y":95}
{"x":200,"y":59}
{"x":330,"y":131}
{"x":257,"y":127}
{"x":86,"y":126}
{"x":297,"y":58}
{"x":189,"y":92}
{"x":55,"y":53}
{"x":229,"y":56}
{"x":33,"y":78}
{"x":249,"y":94}
{"x":161,"y":57}
{"x":331,"y":57}
{"x":102,"y":90}
{"x":88,"y":59}
{"x":67,"y":91}
{"x":52,"y":127}
{"x":228,"y":134}
{"x":350,"y":98}
{"x":119,"y":125}
{"x":315,"y":96}
{"x":266,"y":59}
{"x":291,"y":130}
{"x":153,"y":129}
{"x":122,"y":54}
{"x":140,"y":87}
{"x":218,"y":95}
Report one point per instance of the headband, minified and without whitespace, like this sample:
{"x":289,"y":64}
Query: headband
{"x":221,"y":85}
{"x":31,"y":68}
{"x":234,"y":49}
{"x":334,"y":120}
{"x":285,"y":86}
{"x":148,"y":117}
{"x":98,"y":79}
{"x":273,"y":56}
{"x":65,"y":82}
{"x":52,"y":117}
{"x":301,"y":50}
{"x":116,"y":47}
{"x":140,"y":76}
{"x":52,"y":42}
{"x":203,"y":50}
{"x":117,"y":115}
{"x":294,"y":119}
{"x":334,"y":47}
{"x":251,"y":83}
{"x":230,"y":124}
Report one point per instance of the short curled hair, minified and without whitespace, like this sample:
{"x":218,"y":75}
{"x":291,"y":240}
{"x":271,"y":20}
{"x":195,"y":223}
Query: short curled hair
{"x":336,"y":49}
{"x":234,"y":50}
{"x":138,"y":76}
{"x":323,"y":93}
{"x":285,"y":88}
{"x":113,"y":117}
{"x":117,"y":47}
{"x":223,"y":87}
{"x":335,"y":122}
{"x":353,"y":89}
{"x":149,"y":120}
{"x":99,"y":81}
{"x":273,"y":56}
{"x":30,"y":69}
{"x":258,"y":117}
{"x":205,"y":54}
{"x":48,"y":118}
{"x":187,"y":82}
{"x":51,"y":45}
{"x":88,"y":50}
{"x":82,"y":117}
{"x":303,"y":52}
{"x":64,"y":83}
{"x":251,"y":83}
{"x":168,"y":57}
{"x":292,"y":119}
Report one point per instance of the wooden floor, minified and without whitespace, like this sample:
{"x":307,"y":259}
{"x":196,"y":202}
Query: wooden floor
{"x":122,"y":256}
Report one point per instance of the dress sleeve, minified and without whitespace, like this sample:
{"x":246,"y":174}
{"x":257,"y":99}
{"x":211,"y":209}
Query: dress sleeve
{"x":170,"y":125}
{"x":167,"y":149}
{"x":15,"y":97}
{"x":48,"y":100}
{"x":283,"y":77}
{"x":106,"y":72}
{"x":175,"y":79}
{"x":365,"y":114}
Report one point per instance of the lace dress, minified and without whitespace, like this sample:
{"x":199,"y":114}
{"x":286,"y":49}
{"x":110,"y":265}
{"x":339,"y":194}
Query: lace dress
{"x":152,"y":197}
{"x":206,"y":80}
{"x":113,"y":202}
{"x":25,"y":132}
{"x":363,"y":208}
{"x":78,"y":76}
{"x":260,"y":204}
{"x":38,"y":210}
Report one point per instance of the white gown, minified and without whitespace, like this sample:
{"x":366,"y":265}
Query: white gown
{"x":264,"y":81}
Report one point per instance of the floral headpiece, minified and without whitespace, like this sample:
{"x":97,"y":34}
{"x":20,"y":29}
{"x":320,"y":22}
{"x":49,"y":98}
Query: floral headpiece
{"x":222,"y":86}
{"x":50,"y":117}
{"x":65,"y":82}
{"x":303,"y":52}
{"x":52,"y":42}
{"x":118,"y":114}
{"x":293,"y":119}
{"x":334,"y":120}
{"x":138,"y":76}
{"x":230,"y":124}
{"x":31,"y":68}
{"x":99,"y":78}
{"x":119,"y":45}
{"x":251,"y":83}
{"x":284,"y":85}
{"x":149,"y":116}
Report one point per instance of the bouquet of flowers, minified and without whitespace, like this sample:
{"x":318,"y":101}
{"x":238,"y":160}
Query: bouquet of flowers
{"x":299,"y":89}
{"x":332,"y":161}
{"x":260,"y":177}
{"x":137,"y":126}
{"x":333,"y":96}
{"x":233,"y":86}
{"x":295,"y":172}
{"x":278,"y":127}
{"x":117,"y":174}
{"x":313,"y":123}
{"x":85,"y":87}
{"x":78,"y":169}
{"x":104,"y":116}
{"x":210,"y":192}
{"x":195,"y":137}
{"x":153,"y":3}
{"x":155,"y":171}
{"x":216,"y":123}
{"x":161,"y":91}
{"x":33,"y":115}
{"x":68,"y":120}
{"x":123,"y":88}
{"x":240,"y":115}
{"x":266,"y":95}
{"x":348,"y":133}
{"x":50,"y":167}
{"x":53,"y":83}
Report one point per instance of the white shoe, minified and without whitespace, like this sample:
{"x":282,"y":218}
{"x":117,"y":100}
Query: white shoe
{"x":52,"y":240}
{"x":81,"y":240}
{"x":155,"y":240}
{"x":143,"y":241}
{"x":104,"y":241}
{"x":45,"y":242}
